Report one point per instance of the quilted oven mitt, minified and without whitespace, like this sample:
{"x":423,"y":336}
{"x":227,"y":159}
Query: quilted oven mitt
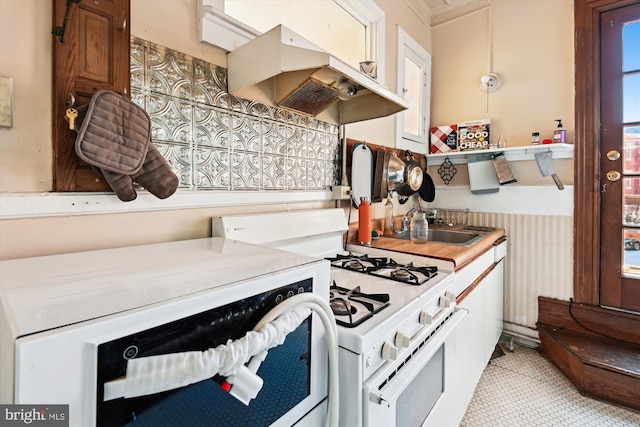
{"x":114,"y":137}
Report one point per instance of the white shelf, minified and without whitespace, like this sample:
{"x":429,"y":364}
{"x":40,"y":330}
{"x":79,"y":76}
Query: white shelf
{"x":512,"y":154}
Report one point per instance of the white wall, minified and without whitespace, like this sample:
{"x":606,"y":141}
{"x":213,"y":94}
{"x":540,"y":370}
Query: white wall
{"x":529,"y":44}
{"x":25,"y":52}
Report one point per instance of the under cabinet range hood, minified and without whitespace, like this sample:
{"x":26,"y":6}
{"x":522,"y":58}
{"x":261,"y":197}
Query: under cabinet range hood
{"x":281,"y":68}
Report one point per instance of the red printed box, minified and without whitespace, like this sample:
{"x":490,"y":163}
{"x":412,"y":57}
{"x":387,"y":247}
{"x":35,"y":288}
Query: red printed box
{"x":474,"y":135}
{"x":444,"y":139}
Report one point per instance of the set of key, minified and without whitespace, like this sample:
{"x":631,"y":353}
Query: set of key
{"x":71,"y":114}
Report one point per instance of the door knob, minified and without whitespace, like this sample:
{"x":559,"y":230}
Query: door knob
{"x":613,"y":175}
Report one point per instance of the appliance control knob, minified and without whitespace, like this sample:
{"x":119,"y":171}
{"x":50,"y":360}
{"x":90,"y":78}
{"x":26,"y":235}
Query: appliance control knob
{"x":402,"y":340}
{"x":444,"y":302}
{"x":368,"y":362}
{"x":428,"y":314}
{"x":389,"y":351}
{"x":450,"y":296}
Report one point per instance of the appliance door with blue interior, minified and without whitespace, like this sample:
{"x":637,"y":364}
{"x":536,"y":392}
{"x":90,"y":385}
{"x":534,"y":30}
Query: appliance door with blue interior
{"x":287,"y":370}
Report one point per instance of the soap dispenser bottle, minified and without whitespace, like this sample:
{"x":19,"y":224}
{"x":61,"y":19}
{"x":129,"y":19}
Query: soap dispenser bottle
{"x":560,"y":134}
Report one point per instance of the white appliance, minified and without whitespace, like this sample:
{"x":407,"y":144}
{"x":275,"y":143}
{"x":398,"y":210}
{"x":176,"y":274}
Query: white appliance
{"x":397,"y":364}
{"x":73,"y":325}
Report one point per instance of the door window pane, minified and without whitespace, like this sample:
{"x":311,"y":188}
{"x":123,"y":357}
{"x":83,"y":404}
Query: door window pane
{"x":631,"y":98}
{"x":631,"y":47}
{"x":631,"y":265}
{"x":631,"y":150}
{"x":631,"y":203}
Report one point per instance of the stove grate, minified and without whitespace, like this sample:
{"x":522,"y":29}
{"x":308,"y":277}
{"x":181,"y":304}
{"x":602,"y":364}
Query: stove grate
{"x":405,"y":273}
{"x":352,"y":307}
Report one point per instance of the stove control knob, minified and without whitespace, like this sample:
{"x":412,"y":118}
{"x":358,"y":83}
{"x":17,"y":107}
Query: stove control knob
{"x":444,"y":302}
{"x":426,"y":316}
{"x":450,"y":296}
{"x":402,"y":340}
{"x":389,"y":351}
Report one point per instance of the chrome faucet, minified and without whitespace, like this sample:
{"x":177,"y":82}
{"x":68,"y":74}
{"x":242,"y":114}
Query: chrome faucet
{"x":405,"y":218}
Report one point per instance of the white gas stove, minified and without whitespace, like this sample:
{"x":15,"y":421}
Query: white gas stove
{"x":390,"y":309}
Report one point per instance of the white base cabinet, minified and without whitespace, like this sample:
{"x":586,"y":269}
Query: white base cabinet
{"x":477,"y":334}
{"x":494,"y":309}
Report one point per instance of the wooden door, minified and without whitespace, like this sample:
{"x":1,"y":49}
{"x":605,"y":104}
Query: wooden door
{"x":94,"y":55}
{"x":620,"y":158}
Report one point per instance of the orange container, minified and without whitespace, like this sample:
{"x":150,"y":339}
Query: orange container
{"x":364,"y":222}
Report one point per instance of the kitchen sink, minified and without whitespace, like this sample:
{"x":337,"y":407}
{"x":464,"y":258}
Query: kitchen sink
{"x":450,"y":237}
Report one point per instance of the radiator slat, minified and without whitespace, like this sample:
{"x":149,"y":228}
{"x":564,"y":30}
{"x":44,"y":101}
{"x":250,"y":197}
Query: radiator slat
{"x":539,"y":262}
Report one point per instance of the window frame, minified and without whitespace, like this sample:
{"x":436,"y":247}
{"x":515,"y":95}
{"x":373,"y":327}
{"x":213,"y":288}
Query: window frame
{"x":409,"y":48}
{"x":226,"y":32}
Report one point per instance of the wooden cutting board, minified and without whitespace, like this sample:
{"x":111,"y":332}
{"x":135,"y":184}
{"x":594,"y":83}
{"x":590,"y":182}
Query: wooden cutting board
{"x":379,"y":190}
{"x":361,"y":173}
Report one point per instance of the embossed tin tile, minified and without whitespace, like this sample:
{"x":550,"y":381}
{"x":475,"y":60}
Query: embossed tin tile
{"x":179,"y":158}
{"x":245,"y":133}
{"x":214,"y":140}
{"x":212,"y":169}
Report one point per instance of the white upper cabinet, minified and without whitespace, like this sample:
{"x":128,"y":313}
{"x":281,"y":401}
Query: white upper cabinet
{"x":414,"y":85}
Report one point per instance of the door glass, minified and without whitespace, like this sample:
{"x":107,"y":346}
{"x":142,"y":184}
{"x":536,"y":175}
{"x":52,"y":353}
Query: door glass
{"x":631,"y":149}
{"x":413,"y":94}
{"x":631,"y":85}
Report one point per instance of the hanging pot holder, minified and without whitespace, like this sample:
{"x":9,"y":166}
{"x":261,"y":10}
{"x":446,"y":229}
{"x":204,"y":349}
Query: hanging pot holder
{"x":114,"y":135}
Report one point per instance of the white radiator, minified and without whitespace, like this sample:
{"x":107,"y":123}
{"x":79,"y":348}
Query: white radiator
{"x":539,"y":263}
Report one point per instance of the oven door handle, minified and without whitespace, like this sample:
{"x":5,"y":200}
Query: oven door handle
{"x":402,"y":378}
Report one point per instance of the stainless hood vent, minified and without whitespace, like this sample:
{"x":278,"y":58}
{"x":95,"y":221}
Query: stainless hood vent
{"x":281,"y":68}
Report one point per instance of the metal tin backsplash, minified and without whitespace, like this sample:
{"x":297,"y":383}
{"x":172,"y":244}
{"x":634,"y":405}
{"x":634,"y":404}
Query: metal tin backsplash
{"x":215,"y":141}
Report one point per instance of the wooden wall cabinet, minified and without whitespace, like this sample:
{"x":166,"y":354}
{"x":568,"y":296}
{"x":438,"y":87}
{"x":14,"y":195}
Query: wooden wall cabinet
{"x":94,"y":56}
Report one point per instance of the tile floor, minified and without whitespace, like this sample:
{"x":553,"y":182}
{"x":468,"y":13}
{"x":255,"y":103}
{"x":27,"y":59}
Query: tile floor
{"x":523,"y":389}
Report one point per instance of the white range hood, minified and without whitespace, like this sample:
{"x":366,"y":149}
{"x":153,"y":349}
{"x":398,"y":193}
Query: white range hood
{"x":281,"y":68}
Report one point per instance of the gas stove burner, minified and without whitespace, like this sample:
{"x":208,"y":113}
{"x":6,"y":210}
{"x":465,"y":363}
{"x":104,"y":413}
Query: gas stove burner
{"x":402,"y":274}
{"x":361,"y":263}
{"x":341,"y":307}
{"x":352,"y":307}
{"x":405,"y":273}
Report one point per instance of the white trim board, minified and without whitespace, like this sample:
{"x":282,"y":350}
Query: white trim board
{"x":520,"y":199}
{"x":37,"y":205}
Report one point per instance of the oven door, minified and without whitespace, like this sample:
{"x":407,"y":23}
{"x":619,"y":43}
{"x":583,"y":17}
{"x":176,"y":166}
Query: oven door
{"x":285,"y":372}
{"x":403,"y":393}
